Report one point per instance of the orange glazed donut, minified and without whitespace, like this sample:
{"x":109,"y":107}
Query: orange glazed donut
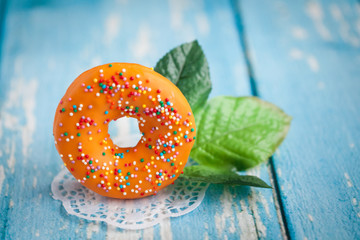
{"x":106,"y":93}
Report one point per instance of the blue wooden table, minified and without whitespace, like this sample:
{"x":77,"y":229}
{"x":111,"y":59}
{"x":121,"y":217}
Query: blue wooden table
{"x":303,"y":56}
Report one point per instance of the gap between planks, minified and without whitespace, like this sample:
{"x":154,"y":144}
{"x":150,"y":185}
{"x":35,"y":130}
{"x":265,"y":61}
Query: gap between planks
{"x":236,"y":7}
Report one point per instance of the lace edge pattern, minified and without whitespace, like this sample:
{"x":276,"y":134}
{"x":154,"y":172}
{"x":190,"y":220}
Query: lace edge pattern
{"x":175,"y":200}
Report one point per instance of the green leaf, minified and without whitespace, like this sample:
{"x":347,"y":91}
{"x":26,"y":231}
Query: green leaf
{"x":186,"y":66}
{"x":201,"y":173}
{"x":238,"y":132}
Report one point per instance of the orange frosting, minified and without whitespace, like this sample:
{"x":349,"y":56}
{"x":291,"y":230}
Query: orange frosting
{"x":106,"y":93}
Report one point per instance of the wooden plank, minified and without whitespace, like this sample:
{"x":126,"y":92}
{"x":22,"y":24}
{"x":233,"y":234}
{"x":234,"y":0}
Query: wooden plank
{"x":4,"y":200}
{"x":46,"y":45}
{"x":306,"y":59}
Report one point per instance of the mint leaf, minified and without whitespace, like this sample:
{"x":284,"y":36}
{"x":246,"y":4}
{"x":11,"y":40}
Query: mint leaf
{"x":238,"y":132}
{"x":201,"y":173}
{"x":186,"y":66}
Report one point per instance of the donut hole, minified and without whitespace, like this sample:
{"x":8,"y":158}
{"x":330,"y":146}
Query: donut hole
{"x":125,"y":132}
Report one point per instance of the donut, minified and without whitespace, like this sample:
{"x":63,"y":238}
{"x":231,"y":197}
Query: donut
{"x":106,"y":93}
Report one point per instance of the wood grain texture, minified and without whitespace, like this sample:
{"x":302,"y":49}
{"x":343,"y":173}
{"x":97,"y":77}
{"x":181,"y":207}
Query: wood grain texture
{"x":46,"y":44}
{"x":305,"y":56}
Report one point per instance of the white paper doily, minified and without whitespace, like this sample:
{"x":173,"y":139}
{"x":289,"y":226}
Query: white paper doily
{"x":173,"y":201}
